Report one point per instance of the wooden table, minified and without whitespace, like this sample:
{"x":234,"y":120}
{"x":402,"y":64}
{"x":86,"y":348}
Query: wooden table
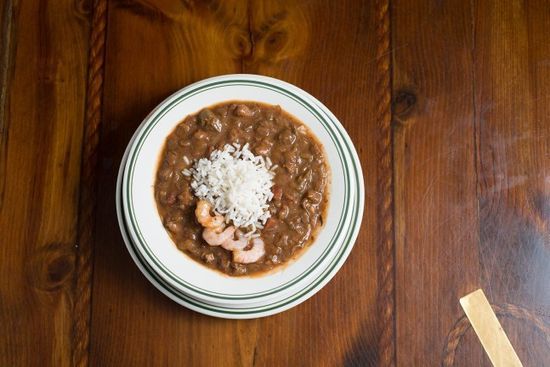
{"x":448,"y":103}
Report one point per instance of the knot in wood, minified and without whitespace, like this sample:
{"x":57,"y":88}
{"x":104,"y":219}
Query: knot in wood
{"x":276,"y":41}
{"x":240,"y":42}
{"x":403,"y":104}
{"x":279,"y":36}
{"x":50,"y":267}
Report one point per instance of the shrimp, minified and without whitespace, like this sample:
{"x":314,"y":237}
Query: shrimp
{"x":214,"y":238}
{"x":239,"y":244}
{"x":252,"y":255}
{"x":202,"y":212}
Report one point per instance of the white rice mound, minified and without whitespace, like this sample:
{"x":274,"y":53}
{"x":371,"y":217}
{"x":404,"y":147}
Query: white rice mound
{"x":236,"y":183}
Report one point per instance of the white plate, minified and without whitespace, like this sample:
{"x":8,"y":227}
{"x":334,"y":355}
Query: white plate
{"x":191,"y":278}
{"x":254,"y":311}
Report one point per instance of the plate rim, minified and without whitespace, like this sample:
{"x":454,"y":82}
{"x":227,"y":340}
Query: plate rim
{"x":354,"y":226}
{"x":333,"y":126}
{"x":166,"y":273}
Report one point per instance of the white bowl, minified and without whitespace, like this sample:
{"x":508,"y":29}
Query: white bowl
{"x":184,"y":275}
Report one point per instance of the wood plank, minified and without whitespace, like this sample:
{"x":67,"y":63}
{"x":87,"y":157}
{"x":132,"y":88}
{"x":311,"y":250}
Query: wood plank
{"x":334,"y":59}
{"x":155,"y":48}
{"x":169,"y":44}
{"x":41,"y":119}
{"x":471,"y":163}
{"x":435,"y":185}
{"x":512,"y":132}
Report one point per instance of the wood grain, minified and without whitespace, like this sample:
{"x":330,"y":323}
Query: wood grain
{"x":471,"y":163}
{"x":435,"y":176}
{"x":41,"y":117}
{"x":318,"y":68}
{"x":512,"y":135}
{"x":469,"y":87}
{"x":170,"y":44}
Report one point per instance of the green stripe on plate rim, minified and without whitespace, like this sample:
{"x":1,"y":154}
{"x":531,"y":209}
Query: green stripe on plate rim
{"x":165,"y":109}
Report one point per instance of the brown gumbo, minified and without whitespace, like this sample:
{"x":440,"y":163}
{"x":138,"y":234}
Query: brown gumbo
{"x":300,"y":183}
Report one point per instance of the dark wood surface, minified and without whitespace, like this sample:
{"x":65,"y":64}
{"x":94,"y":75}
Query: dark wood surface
{"x":43,"y":67}
{"x":468,"y":183}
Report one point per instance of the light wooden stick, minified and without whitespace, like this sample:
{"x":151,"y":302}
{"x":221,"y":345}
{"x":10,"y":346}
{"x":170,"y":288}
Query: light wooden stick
{"x":489,"y":331}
